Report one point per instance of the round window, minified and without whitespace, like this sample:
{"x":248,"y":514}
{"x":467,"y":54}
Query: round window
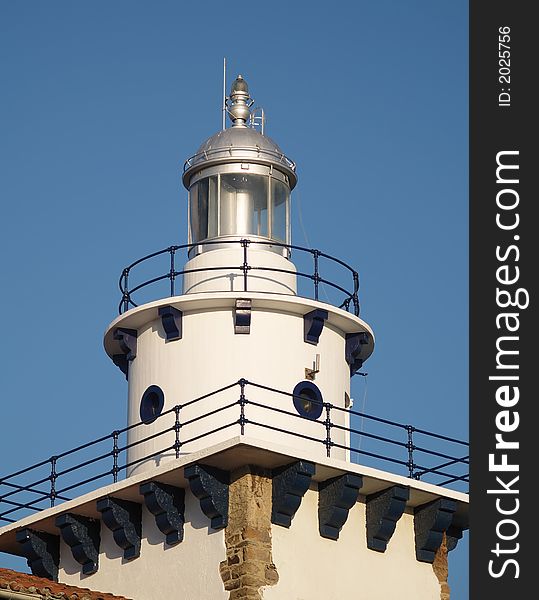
{"x":151,"y":404}
{"x":308,"y":400}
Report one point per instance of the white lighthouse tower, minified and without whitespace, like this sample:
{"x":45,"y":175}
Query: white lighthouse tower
{"x":240,"y":316}
{"x":234,"y":477}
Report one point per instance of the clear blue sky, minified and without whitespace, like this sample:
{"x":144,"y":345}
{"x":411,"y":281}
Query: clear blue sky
{"x":102,"y":102}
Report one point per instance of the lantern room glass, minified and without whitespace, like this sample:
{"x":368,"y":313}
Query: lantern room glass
{"x":203,"y":197}
{"x":244,"y":205}
{"x":239,"y":204}
{"x":280,"y":196}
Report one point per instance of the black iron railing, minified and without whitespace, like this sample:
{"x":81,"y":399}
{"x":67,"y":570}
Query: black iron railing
{"x":444,"y":462}
{"x":346,"y":294}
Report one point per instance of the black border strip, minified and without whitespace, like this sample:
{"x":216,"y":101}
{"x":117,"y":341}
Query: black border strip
{"x":502,"y":123}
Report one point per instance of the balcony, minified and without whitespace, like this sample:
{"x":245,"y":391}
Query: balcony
{"x":374,"y":441}
{"x":157,"y":276}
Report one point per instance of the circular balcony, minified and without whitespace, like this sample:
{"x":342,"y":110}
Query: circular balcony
{"x":320,"y":276}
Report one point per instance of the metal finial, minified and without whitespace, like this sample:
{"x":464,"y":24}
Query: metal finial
{"x":239,"y":85}
{"x":240,"y":101}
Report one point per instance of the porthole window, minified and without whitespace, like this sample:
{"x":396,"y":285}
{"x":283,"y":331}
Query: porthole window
{"x":151,"y":404}
{"x":308,"y":400}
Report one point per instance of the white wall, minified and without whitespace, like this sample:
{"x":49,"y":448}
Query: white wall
{"x":311,"y":567}
{"x":210,"y":355}
{"x":230,"y":279}
{"x":189,"y":570}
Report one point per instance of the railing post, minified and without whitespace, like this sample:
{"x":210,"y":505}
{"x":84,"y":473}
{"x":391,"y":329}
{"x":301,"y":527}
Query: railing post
{"x":316,"y":275}
{"x":355,"y":299}
{"x":125,"y":291}
{"x":172,"y":274}
{"x":410,"y":446}
{"x":327,"y":442}
{"x":177,"y":427}
{"x":245,"y":266}
{"x":243,"y":401}
{"x":115,"y":453}
{"x":53,"y":477}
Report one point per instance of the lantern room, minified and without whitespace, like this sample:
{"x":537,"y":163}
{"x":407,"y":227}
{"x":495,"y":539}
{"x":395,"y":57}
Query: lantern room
{"x":242,"y":199}
{"x":239,"y":183}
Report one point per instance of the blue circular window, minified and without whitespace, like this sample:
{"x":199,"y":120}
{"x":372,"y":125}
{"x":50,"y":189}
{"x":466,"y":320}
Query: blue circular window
{"x":308,"y":400}
{"x":151,"y":405}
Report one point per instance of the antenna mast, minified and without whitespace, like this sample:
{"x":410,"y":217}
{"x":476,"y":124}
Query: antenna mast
{"x":224,"y":93}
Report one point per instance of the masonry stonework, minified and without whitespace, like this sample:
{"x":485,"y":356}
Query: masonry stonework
{"x":440,"y":568}
{"x":249,"y":564}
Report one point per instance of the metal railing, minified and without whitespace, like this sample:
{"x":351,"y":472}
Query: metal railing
{"x":404,"y":447}
{"x":239,"y":153}
{"x":347,"y":301}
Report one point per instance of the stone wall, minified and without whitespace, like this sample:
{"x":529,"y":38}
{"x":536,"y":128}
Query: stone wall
{"x":249,"y":564}
{"x":440,"y":567}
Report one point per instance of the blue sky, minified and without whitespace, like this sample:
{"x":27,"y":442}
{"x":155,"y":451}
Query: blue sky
{"x":101,"y":104}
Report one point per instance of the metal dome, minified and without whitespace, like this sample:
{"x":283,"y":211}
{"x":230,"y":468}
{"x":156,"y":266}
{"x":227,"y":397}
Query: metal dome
{"x":239,"y":144}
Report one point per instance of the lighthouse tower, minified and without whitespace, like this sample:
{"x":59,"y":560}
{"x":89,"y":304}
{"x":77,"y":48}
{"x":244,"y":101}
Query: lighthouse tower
{"x":234,"y":477}
{"x":240,"y":316}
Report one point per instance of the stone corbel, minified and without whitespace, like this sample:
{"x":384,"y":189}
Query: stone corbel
{"x":313,"y":324}
{"x":171,"y":319}
{"x":242,"y":316}
{"x":289,"y":484}
{"x":128,"y":346}
{"x":210,"y":486}
{"x":167,"y":504}
{"x":83,"y":536}
{"x":124,"y":519}
{"x":42,"y":552}
{"x":431,"y":520}
{"x":384,"y":509}
{"x":335,"y":499}
{"x":453,"y":534}
{"x":353,"y":350}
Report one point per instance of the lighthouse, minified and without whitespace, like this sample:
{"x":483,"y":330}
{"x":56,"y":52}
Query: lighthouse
{"x":237,"y":473}
{"x":240,"y":316}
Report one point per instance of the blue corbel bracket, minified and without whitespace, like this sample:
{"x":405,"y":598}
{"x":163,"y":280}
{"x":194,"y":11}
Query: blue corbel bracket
{"x":453,"y":535}
{"x":313,"y":324}
{"x":42,"y":552}
{"x":210,"y":485}
{"x":454,"y":531}
{"x":171,"y":319}
{"x":167,"y":504}
{"x":242,"y":316}
{"x":124,"y":519}
{"x":431,"y":520}
{"x":128,"y":346}
{"x":336,"y":497}
{"x":121,"y":362}
{"x":354,"y":348}
{"x":83,"y":536}
{"x":289,"y":484}
{"x":383,"y":510}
